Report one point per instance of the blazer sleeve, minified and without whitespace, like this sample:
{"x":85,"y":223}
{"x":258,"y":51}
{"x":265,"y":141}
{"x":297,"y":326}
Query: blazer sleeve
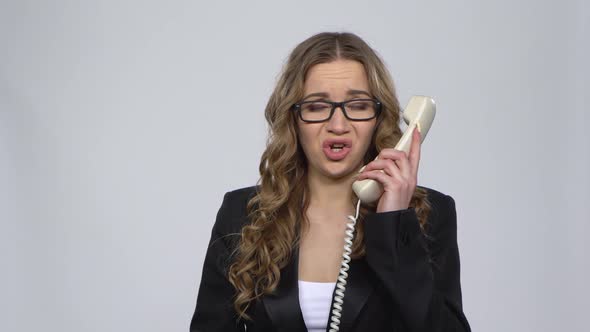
{"x":423,"y":281}
{"x":214,"y":310}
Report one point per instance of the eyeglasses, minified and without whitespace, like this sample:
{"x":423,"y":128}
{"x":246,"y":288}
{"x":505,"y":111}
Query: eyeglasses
{"x":354,"y":110}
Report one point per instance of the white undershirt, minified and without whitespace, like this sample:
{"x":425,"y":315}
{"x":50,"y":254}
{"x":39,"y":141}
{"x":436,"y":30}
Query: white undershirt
{"x":315,"y":299}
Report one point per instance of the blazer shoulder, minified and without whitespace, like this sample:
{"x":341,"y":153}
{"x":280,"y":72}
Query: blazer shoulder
{"x":232,"y":214}
{"x":439,"y":200}
{"x":237,"y":199}
{"x":442,"y":220}
{"x":435,"y":195}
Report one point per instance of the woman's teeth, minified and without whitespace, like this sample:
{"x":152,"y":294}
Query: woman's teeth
{"x":337,"y":147}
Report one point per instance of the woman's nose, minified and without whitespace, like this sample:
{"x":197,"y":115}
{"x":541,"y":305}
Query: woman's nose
{"x":338,"y":123}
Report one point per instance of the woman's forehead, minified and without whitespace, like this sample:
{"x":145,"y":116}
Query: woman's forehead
{"x":336,"y":77}
{"x":349,"y":93}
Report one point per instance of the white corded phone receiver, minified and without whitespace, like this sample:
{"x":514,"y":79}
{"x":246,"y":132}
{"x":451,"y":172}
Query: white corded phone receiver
{"x":419,"y":113}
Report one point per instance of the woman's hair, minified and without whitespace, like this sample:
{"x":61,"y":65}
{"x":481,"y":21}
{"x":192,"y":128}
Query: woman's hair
{"x":279,"y":206}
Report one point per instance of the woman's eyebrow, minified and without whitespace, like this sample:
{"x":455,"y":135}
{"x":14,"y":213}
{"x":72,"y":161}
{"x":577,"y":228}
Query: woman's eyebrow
{"x":326,"y":95}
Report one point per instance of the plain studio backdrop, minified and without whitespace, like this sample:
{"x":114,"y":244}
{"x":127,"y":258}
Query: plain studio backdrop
{"x":123,"y":123}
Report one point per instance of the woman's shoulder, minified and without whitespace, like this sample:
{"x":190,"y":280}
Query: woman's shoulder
{"x":232,"y":214}
{"x":435,"y":195}
{"x":238,"y":198}
{"x":439,"y":201}
{"x":442,"y":220}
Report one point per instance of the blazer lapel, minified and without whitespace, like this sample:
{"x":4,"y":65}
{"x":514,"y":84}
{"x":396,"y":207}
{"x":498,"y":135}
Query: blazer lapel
{"x":358,"y":289}
{"x":283,"y":306}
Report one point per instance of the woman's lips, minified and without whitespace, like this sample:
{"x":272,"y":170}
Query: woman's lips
{"x":344,"y":144}
{"x":336,"y":155}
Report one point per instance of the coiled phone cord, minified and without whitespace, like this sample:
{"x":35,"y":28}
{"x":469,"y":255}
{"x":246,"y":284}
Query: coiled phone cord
{"x":341,"y":284}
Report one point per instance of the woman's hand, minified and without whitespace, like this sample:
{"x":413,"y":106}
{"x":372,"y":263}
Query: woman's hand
{"x":399,"y":176}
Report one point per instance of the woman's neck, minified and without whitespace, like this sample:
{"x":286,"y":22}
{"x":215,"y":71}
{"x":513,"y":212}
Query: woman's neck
{"x":329,"y":194}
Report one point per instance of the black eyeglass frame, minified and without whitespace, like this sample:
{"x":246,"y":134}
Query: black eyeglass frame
{"x":378,"y":107}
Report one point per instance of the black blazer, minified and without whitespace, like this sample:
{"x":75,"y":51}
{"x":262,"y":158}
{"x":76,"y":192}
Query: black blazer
{"x":407,"y":281}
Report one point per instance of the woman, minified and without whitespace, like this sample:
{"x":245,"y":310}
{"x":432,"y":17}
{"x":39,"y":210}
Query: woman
{"x":276,"y":248}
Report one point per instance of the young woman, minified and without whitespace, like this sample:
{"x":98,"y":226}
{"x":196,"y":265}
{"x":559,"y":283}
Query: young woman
{"x":276,"y":248}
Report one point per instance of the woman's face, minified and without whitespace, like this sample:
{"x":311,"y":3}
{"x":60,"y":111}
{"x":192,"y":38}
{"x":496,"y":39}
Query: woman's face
{"x":336,"y":80}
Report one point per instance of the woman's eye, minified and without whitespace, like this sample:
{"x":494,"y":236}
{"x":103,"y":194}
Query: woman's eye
{"x":359,"y":106}
{"x":316,"y":107}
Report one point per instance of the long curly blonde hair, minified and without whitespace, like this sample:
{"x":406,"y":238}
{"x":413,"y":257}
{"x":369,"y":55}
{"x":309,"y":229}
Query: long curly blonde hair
{"x":278,"y":208}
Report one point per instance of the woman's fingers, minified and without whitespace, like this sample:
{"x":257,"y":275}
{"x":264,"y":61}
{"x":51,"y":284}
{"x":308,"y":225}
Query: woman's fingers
{"x":399,"y":159}
{"x":388,"y":166}
{"x":392,"y":184}
{"x":407,"y":163}
{"x":397,"y":172}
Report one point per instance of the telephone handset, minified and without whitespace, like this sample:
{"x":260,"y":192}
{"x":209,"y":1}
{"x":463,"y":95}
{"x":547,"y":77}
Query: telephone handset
{"x":419,"y":113}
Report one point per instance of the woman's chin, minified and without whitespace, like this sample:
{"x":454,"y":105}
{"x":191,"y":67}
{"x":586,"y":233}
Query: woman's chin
{"x":339,"y":173}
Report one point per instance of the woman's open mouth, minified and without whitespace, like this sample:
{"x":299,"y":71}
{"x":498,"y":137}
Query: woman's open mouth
{"x":336,"y":149}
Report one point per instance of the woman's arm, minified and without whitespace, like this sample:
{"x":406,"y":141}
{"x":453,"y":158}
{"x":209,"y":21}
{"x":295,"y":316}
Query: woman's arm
{"x":214,"y":310}
{"x":428,"y":293}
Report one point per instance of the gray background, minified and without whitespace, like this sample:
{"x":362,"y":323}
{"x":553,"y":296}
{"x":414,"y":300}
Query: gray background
{"x":123,"y":123}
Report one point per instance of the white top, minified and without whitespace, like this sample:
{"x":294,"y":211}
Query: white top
{"x":315,"y":299}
